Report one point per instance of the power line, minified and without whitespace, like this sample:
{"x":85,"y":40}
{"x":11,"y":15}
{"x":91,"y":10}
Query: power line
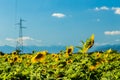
{"x":16,"y":10}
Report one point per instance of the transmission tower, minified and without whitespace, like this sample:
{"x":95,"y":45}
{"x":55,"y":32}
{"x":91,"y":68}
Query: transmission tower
{"x":19,"y":46}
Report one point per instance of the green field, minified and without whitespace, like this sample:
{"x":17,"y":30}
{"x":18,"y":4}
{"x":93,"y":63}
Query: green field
{"x":66,"y":65}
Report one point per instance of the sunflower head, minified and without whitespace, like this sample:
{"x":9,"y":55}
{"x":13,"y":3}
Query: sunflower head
{"x":97,"y":64}
{"x":109,"y":51}
{"x":55,"y":57}
{"x":6,"y":59}
{"x":90,"y":41}
{"x":39,"y":57}
{"x":19,"y":60}
{"x":10,"y":60}
{"x":69,"y":61}
{"x":6,"y":55}
{"x":98,"y":55}
{"x":92,"y":68}
{"x":14,"y":53}
{"x":29,"y":56}
{"x":15,"y":59}
{"x":88,"y":44}
{"x":69,"y":51}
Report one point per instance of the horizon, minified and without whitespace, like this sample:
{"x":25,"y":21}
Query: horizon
{"x":57,"y":49}
{"x":60,"y":22}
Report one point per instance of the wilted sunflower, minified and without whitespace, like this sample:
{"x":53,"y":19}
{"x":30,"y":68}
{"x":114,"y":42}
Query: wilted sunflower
{"x":39,"y":57}
{"x":69,"y":51}
{"x":88,"y":44}
{"x":91,"y":41}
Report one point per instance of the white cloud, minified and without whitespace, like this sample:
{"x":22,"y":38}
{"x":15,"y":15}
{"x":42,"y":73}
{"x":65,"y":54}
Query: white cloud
{"x":101,"y":44}
{"x":112,"y":32}
{"x":10,"y":39}
{"x":26,"y":38}
{"x":23,"y":38}
{"x":116,"y":9}
{"x":101,"y":8}
{"x":105,"y":8}
{"x":58,"y":15}
{"x":109,"y":42}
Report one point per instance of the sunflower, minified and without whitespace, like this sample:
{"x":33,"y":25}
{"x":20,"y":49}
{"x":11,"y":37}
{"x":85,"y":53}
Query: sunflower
{"x":92,"y":37}
{"x":88,"y":44}
{"x":91,"y":41}
{"x":106,"y":55}
{"x":97,"y":64}
{"x":55,"y":56}
{"x":109,"y":51}
{"x":6,"y":55}
{"x":19,"y":60}
{"x":15,"y":58}
{"x":14,"y":53}
{"x":92,"y":68}
{"x":69,"y":61}
{"x":27,"y":63}
{"x":69,"y":51}
{"x":98,"y":55}
{"x":39,"y":57}
{"x":10,"y":60}
{"x":6,"y":59}
{"x":28,"y":56}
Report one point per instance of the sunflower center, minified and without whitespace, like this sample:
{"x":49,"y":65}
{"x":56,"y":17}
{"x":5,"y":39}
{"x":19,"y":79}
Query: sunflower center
{"x":39,"y":56}
{"x":15,"y":59}
{"x":69,"y":50}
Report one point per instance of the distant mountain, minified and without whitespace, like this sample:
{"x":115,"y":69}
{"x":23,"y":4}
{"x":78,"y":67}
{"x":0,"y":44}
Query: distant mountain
{"x":56,"y":49}
{"x":106,"y":47}
{"x":29,"y":49}
{"x":50,"y":49}
{"x":6,"y":49}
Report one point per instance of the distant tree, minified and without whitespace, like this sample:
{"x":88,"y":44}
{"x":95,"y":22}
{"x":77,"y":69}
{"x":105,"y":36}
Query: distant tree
{"x":33,"y":51}
{"x":1,"y":53}
{"x":18,"y":51}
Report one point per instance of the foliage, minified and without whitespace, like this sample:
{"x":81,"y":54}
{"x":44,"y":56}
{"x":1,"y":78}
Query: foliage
{"x":64,"y":66}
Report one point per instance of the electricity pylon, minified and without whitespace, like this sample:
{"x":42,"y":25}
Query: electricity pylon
{"x":19,"y":46}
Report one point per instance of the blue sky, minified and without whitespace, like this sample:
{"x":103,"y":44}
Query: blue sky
{"x":60,"y":22}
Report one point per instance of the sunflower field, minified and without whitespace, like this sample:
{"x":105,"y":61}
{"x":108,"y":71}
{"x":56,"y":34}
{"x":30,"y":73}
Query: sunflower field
{"x":65,"y":65}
